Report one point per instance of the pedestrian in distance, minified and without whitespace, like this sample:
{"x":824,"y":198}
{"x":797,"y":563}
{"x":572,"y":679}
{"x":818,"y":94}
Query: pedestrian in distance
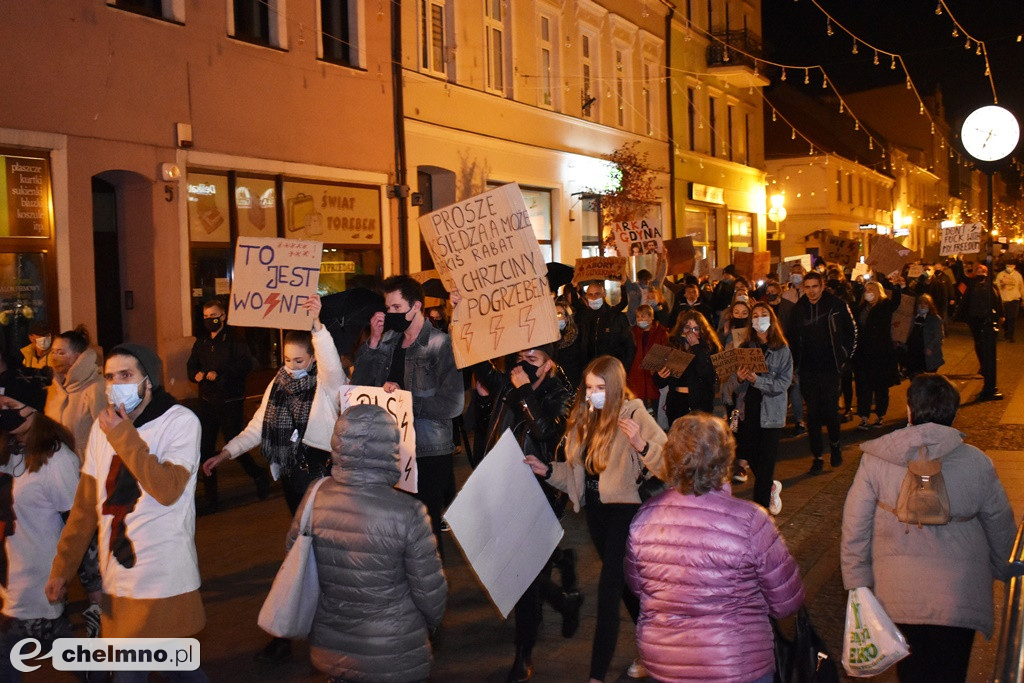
{"x":605,"y":331}
{"x":570,"y":344}
{"x":709,"y":569}
{"x":761,"y":400}
{"x":695,"y":388}
{"x":611,"y":444}
{"x":875,"y":359}
{"x":40,"y":339}
{"x":382,"y":588}
{"x":77,"y":394}
{"x":981,"y":308}
{"x":933,"y":580}
{"x":293,"y":424}
{"x":924,"y":344}
{"x":1011,"y":290}
{"x":646,"y":334}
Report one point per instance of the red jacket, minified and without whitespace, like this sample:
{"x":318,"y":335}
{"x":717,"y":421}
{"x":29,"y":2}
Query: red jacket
{"x":639,"y":380}
{"x":709,"y":571}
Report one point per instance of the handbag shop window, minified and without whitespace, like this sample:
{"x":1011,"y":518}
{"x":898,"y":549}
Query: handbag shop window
{"x":224,"y":205}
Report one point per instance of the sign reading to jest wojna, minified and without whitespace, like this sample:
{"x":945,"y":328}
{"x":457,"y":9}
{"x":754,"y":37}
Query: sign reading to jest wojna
{"x":273,"y":279}
{"x":485,"y":248}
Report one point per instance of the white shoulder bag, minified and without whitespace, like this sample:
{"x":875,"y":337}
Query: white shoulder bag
{"x":291,"y":604}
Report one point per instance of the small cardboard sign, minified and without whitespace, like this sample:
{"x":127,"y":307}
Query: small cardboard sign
{"x":888,"y":256}
{"x":840,"y":250}
{"x":637,"y":238}
{"x":681,"y":256}
{"x":903,"y":319}
{"x":599,"y":268}
{"x":399,"y":405}
{"x":728,"y":362}
{"x":273,"y":279}
{"x":752,"y":265}
{"x":486,"y":248}
{"x":961,"y":239}
{"x":662,"y":356}
{"x":859,"y":270}
{"x":915,"y":271}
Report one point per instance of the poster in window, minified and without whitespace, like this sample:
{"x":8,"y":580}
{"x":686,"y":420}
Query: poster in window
{"x":208,"y":203}
{"x":24,"y":197}
{"x":336,"y":214}
{"x":256,"y":207}
{"x":22,"y":297}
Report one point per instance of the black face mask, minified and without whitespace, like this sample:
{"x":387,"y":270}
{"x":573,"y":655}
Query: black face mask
{"x":10,"y":419}
{"x":212,"y":324}
{"x":529,"y":369}
{"x":834,"y":285}
{"x":396,"y":322}
{"x":740,"y":322}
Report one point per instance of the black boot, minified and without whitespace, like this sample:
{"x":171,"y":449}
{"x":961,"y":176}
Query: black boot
{"x":522,"y":667}
{"x":571,"y":613}
{"x":277,"y":650}
{"x":566,"y":564}
{"x":210,"y":496}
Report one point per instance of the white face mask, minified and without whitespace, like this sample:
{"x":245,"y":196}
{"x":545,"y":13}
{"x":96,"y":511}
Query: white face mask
{"x":741,"y":297}
{"x":796,"y":279}
{"x":595,"y":303}
{"x":922,"y":312}
{"x":596,"y":399}
{"x":869,"y":296}
{"x":43,"y":343}
{"x":297,"y":374}
{"x":643,"y":324}
{"x":762,"y":324}
{"x":125,"y":394}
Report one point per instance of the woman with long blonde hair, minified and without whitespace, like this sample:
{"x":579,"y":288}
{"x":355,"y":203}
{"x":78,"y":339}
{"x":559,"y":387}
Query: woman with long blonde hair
{"x":612,"y":443}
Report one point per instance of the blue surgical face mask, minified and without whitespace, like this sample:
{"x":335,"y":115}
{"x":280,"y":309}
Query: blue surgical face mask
{"x":797,"y":279}
{"x":297,"y":374}
{"x":596,"y":399}
{"x":643,"y":324}
{"x":125,"y":394}
{"x":922,"y":312}
{"x":562,"y":324}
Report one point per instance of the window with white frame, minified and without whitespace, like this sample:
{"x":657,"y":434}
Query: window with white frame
{"x":621,"y":97}
{"x":591,"y":102}
{"x":171,"y":10}
{"x":730,"y":132}
{"x":433,"y":25}
{"x":712,"y":125}
{"x":494,"y":30}
{"x":339,"y":32}
{"x":262,"y":22}
{"x":648,"y":99}
{"x":545,"y":61}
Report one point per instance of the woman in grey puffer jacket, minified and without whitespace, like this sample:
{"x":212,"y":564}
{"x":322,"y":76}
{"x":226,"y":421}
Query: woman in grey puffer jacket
{"x":381,"y":583}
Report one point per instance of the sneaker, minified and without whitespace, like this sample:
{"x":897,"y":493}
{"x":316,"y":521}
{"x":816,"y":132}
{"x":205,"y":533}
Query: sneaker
{"x":775,"y":502}
{"x":864,"y":425}
{"x":836,"y":458}
{"x":817,"y":466}
{"x":637,"y":670}
{"x":444,"y":525}
{"x":739,"y":476}
{"x":877,"y":424}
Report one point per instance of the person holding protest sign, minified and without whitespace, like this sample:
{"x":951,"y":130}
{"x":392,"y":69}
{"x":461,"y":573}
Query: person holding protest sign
{"x":761,"y":401}
{"x":611,"y":444}
{"x":735,"y":325}
{"x":924,"y":345}
{"x":294,"y":423}
{"x":874,"y":360}
{"x":533,"y":400}
{"x":646,"y":333}
{"x":695,"y":388}
{"x":404,"y":352}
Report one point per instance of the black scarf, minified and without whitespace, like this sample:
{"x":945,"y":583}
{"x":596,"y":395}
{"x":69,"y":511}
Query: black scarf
{"x":287,"y":413}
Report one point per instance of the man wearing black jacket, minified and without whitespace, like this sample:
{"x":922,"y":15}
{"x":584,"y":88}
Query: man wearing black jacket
{"x":824,"y":336}
{"x":605,"y":331}
{"x":219,"y":364}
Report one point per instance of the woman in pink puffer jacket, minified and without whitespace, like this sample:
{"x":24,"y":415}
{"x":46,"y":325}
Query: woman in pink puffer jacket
{"x":709,"y":569}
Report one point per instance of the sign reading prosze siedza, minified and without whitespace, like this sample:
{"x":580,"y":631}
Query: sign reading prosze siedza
{"x":273,"y":279}
{"x":485,"y":248}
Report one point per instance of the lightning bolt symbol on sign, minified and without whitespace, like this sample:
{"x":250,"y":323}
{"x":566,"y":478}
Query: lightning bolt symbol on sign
{"x":268,"y":305}
{"x":467,"y":337}
{"x":497,"y":329}
{"x":408,"y":469}
{"x":527,"y":320}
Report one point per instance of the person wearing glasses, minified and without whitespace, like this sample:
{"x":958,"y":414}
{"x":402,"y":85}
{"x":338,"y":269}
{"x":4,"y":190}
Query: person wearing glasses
{"x":695,"y":388}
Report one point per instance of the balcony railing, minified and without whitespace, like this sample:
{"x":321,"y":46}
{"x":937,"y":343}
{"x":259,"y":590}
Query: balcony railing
{"x":735,"y":47}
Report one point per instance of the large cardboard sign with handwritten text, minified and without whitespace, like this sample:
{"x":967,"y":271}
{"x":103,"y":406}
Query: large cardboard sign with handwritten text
{"x":903,"y":319}
{"x":399,"y":405}
{"x":729,"y":361}
{"x":839,"y":250}
{"x":485,"y":248}
{"x":638,"y":238}
{"x":961,"y":239}
{"x":752,"y":265}
{"x":681,"y":256}
{"x":887,"y":255}
{"x":273,"y":279}
{"x":599,"y":268}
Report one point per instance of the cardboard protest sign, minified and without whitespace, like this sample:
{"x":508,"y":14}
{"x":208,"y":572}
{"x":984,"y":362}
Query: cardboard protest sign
{"x":681,"y":256}
{"x":752,"y":265}
{"x":399,"y":405}
{"x":961,"y":239}
{"x":903,"y":319}
{"x":858,"y":270}
{"x":485,"y":247}
{"x":786,"y":265}
{"x":727,"y":362}
{"x":661,"y":356}
{"x":504,"y":524}
{"x":838,"y":249}
{"x":599,"y":268}
{"x":915,"y":271}
{"x":273,"y":279}
{"x":636,"y":238}
{"x":888,"y":255}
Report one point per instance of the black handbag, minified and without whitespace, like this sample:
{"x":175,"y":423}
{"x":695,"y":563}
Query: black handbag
{"x":805,"y":658}
{"x":648,"y":485}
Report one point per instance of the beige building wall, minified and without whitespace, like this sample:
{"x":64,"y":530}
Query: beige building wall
{"x":100,"y":90}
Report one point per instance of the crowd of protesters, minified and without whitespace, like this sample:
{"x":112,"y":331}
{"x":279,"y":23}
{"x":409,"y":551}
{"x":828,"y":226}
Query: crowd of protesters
{"x":117,"y":459}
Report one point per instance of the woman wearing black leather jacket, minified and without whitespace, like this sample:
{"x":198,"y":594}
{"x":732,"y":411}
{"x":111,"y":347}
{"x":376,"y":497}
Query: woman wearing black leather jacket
{"x":695,"y":388}
{"x":532,"y":399}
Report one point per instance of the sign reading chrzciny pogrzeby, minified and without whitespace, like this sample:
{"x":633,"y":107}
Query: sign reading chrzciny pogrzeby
{"x":273,"y":279}
{"x":485,"y":247}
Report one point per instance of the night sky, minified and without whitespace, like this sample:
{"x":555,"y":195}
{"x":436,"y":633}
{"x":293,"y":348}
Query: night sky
{"x":795,"y":32}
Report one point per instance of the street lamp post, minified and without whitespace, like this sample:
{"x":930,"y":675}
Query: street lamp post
{"x":989,"y":134}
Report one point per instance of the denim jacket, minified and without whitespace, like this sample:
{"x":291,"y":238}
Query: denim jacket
{"x":430,"y":374}
{"x":773,"y":385}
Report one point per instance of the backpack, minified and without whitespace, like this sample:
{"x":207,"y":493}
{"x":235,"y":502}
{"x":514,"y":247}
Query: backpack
{"x":923,"y":497}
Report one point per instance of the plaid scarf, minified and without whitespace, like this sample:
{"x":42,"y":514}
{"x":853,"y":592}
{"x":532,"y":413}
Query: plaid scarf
{"x":287,"y":413}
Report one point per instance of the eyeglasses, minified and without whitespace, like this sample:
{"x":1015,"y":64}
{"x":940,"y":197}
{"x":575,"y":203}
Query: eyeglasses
{"x":691,"y":329}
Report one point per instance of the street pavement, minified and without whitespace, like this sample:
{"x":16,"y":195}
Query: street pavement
{"x":241,"y":547}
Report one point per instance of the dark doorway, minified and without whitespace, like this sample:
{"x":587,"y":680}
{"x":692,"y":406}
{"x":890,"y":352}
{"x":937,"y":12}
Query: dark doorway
{"x":106,"y":255}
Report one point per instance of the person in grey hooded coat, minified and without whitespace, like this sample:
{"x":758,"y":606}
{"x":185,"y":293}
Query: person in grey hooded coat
{"x":934,"y":582}
{"x":381,"y":582}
